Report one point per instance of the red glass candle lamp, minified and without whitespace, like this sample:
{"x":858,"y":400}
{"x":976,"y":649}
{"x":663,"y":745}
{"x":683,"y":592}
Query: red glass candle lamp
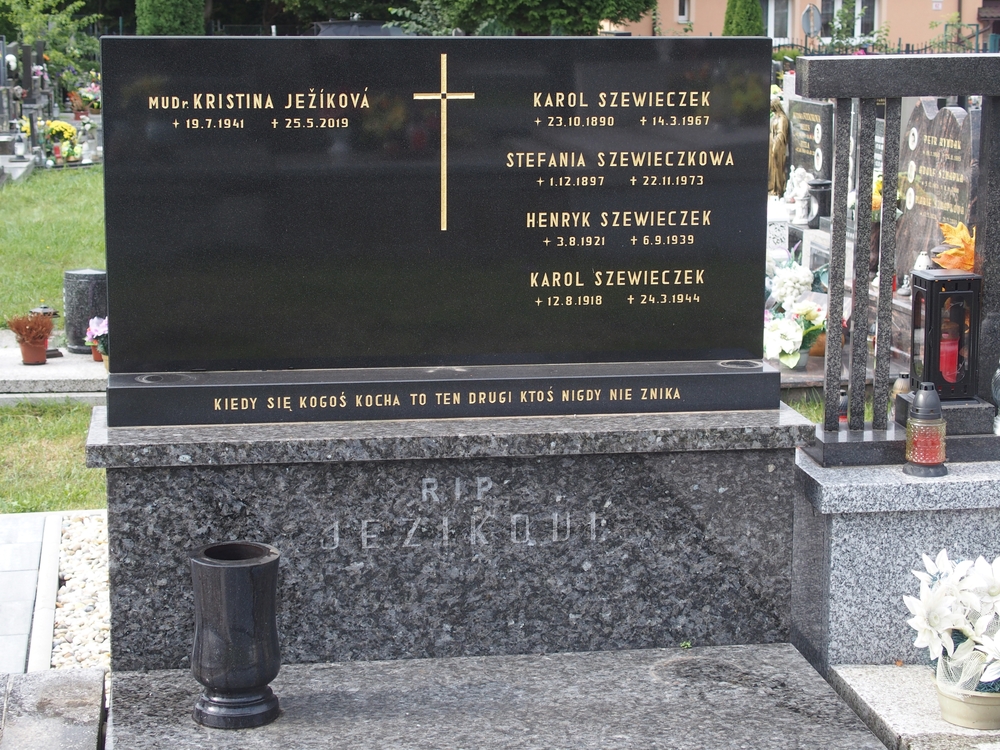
{"x":925,"y":434}
{"x":944,"y":338}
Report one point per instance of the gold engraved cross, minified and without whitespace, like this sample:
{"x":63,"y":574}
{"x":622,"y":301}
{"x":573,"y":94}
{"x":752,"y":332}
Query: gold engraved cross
{"x":444,"y":95}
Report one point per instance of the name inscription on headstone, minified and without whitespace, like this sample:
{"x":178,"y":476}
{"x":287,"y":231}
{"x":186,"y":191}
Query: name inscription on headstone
{"x":486,"y":525}
{"x":342,"y":204}
{"x":812,"y":136}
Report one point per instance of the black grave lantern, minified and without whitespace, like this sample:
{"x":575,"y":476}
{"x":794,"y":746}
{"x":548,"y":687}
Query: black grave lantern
{"x":944,"y":338}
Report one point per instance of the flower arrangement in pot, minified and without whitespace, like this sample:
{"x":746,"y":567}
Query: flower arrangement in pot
{"x":32,"y":334}
{"x":97,"y":338}
{"x":788,"y":335}
{"x":794,"y":321}
{"x":957,"y":618}
{"x":59,"y":138}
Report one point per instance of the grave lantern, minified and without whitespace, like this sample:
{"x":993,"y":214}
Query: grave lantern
{"x":944,"y":338}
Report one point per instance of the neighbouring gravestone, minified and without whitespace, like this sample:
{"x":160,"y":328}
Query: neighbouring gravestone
{"x":378,"y":229}
{"x":812,"y":136}
{"x":342,"y":238}
{"x":938,"y":164}
{"x":85,"y":296}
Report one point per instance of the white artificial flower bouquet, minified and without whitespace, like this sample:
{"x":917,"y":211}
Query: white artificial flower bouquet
{"x":957,"y":618}
{"x":790,"y":282}
{"x":787,"y":334}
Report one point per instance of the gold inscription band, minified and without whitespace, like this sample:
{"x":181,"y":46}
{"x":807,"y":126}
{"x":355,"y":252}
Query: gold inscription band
{"x":444,"y":95}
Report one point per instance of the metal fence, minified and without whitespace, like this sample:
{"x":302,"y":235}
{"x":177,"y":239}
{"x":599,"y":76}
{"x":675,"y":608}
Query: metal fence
{"x":955,"y":39}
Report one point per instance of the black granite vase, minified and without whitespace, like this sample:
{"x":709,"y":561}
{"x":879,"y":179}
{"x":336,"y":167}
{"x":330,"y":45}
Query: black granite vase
{"x":236,"y":652}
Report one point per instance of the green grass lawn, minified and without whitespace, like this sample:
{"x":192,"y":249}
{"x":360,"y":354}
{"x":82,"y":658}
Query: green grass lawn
{"x":811,"y":407}
{"x":41,"y":459}
{"x":50,"y":223}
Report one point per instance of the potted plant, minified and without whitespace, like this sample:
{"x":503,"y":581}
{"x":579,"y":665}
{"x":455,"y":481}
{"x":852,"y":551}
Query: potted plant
{"x":97,"y":338}
{"x":957,"y":618}
{"x":58,"y":137}
{"x":32,"y":334}
{"x":90,"y":95}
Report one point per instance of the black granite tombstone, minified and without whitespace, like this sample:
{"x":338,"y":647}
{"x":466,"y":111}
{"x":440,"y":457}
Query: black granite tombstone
{"x":938,"y":164}
{"x":312,"y":229}
{"x":812,"y":136}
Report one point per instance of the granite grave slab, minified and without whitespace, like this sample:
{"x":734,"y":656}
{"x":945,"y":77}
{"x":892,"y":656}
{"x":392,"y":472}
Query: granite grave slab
{"x":756,"y":697}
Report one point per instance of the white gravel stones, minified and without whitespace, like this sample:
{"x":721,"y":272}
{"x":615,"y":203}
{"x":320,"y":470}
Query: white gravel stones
{"x":82,"y":633}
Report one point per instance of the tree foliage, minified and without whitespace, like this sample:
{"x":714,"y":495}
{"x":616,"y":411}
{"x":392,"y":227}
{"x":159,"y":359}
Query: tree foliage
{"x":70,"y":52}
{"x":340,"y":10}
{"x":429,"y":17}
{"x":743,"y":18}
{"x":542,"y":17}
{"x":169,"y":17}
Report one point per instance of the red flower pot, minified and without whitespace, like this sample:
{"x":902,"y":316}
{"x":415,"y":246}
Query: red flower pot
{"x":33,"y":354}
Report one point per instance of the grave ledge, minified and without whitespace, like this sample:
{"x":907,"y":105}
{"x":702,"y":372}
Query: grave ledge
{"x":899,"y":704}
{"x":887,"y":489}
{"x":763,"y":696}
{"x":326,"y":442}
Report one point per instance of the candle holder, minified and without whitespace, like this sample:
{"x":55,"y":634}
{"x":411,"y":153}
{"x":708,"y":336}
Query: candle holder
{"x":925,"y":429}
{"x":944,"y":336}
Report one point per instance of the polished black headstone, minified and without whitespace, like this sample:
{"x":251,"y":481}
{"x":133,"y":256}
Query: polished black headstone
{"x":291,"y":203}
{"x":812,"y":137}
{"x":938,"y":173}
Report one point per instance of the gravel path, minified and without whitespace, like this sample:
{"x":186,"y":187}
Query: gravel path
{"x":82,"y":633}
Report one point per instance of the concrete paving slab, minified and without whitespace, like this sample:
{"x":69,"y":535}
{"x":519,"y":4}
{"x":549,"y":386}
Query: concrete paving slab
{"x":93,"y":399}
{"x":62,"y":709}
{"x":20,"y":556}
{"x":15,"y":617}
{"x":20,"y":528}
{"x":71,"y":373}
{"x":900,"y":705}
{"x":17,"y":586}
{"x":765,"y":697}
{"x":13,"y":654}
{"x":18,"y":170}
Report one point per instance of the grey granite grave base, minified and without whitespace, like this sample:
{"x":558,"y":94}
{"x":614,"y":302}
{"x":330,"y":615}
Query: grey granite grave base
{"x":469,"y":537}
{"x":900,"y":705}
{"x":58,"y":709}
{"x":859,"y":531}
{"x":757,"y":697}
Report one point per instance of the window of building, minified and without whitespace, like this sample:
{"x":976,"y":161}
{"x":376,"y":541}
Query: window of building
{"x":775,"y":17}
{"x":779,"y":21}
{"x":868,"y":17}
{"x":864,"y":16}
{"x":826,"y":14}
{"x":683,"y":11}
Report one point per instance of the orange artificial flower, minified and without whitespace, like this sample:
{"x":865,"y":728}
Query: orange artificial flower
{"x":962,"y":254}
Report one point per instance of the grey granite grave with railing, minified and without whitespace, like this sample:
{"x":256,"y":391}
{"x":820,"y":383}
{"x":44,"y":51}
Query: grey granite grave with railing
{"x":860,"y":529}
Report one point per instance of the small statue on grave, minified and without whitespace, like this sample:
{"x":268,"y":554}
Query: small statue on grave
{"x":777,"y":160}
{"x":797,"y":193}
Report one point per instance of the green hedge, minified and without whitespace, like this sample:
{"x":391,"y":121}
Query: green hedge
{"x":169,"y":17}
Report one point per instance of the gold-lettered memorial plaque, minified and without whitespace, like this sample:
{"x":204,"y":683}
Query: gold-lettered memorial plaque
{"x":316,"y":223}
